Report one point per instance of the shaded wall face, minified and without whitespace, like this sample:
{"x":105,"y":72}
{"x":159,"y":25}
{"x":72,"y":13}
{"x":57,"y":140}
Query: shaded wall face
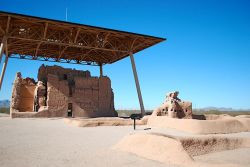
{"x":89,"y":97}
{"x":57,"y":97}
{"x":93,"y":97}
{"x":85,"y":97}
{"x":185,"y":109}
{"x":61,"y":73}
{"x":106,"y":96}
{"x":27,"y":98}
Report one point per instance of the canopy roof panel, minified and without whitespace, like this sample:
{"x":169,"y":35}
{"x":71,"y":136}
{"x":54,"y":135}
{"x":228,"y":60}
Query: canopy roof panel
{"x":38,"y":38}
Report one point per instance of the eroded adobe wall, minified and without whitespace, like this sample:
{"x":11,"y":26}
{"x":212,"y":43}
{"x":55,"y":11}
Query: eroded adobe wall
{"x":93,"y":97}
{"x":89,"y":96}
{"x":27,"y":96}
{"x":57,"y":96}
{"x":174,"y":107}
{"x":15,"y":96}
{"x":106,"y":96}
{"x":60,"y":72}
{"x":57,"y":89}
{"x":22,"y":99}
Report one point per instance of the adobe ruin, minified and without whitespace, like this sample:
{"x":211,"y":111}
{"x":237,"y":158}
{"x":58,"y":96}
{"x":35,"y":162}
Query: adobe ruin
{"x":174,"y":107}
{"x":61,"y":92}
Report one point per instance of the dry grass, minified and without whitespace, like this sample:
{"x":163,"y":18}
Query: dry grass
{"x":232,"y":113}
{"x":5,"y":110}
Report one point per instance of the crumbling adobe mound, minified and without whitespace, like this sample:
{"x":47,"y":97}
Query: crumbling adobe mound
{"x":215,"y":124}
{"x":174,"y":107}
{"x":177,"y":150}
{"x":216,"y":116}
{"x":207,"y":144}
{"x":243,"y":116}
{"x":104,"y":121}
{"x":155,"y":147}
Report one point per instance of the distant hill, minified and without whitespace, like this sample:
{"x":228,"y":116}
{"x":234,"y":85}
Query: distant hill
{"x":4,"y":103}
{"x":222,"y":109}
{"x":216,"y":108}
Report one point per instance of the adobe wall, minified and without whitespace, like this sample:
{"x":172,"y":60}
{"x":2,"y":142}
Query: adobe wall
{"x":60,"y":72}
{"x":15,"y":96}
{"x":27,"y":97}
{"x":93,"y":97}
{"x":22,"y":99}
{"x":57,"y":96}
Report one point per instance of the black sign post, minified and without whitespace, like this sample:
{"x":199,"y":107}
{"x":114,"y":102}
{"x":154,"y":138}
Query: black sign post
{"x":134,"y":117}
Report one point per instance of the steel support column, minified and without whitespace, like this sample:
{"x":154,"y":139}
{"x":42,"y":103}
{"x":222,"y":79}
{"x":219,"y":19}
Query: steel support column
{"x":2,"y":45}
{"x":101,"y":71}
{"x":3,"y":70}
{"x":137,"y":83}
{"x":5,"y":62}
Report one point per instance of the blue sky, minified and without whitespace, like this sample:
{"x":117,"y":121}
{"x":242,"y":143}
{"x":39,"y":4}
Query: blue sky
{"x":206,"y":56}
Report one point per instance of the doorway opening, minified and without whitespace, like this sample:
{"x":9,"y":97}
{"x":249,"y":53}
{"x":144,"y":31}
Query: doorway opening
{"x":70,"y":110}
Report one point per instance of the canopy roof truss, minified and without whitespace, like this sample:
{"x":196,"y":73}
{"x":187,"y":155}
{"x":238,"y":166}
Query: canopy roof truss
{"x":51,"y":40}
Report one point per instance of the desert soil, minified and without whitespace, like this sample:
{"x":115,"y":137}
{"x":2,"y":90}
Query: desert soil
{"x":52,"y":142}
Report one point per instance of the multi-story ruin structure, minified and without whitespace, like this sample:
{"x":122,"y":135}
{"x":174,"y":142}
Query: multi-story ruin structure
{"x":61,"y":92}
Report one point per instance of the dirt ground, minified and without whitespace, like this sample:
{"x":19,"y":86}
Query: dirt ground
{"x":239,"y":156}
{"x":51,"y":142}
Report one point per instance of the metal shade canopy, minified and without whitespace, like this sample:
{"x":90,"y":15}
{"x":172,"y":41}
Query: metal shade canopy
{"x":36,"y":38}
